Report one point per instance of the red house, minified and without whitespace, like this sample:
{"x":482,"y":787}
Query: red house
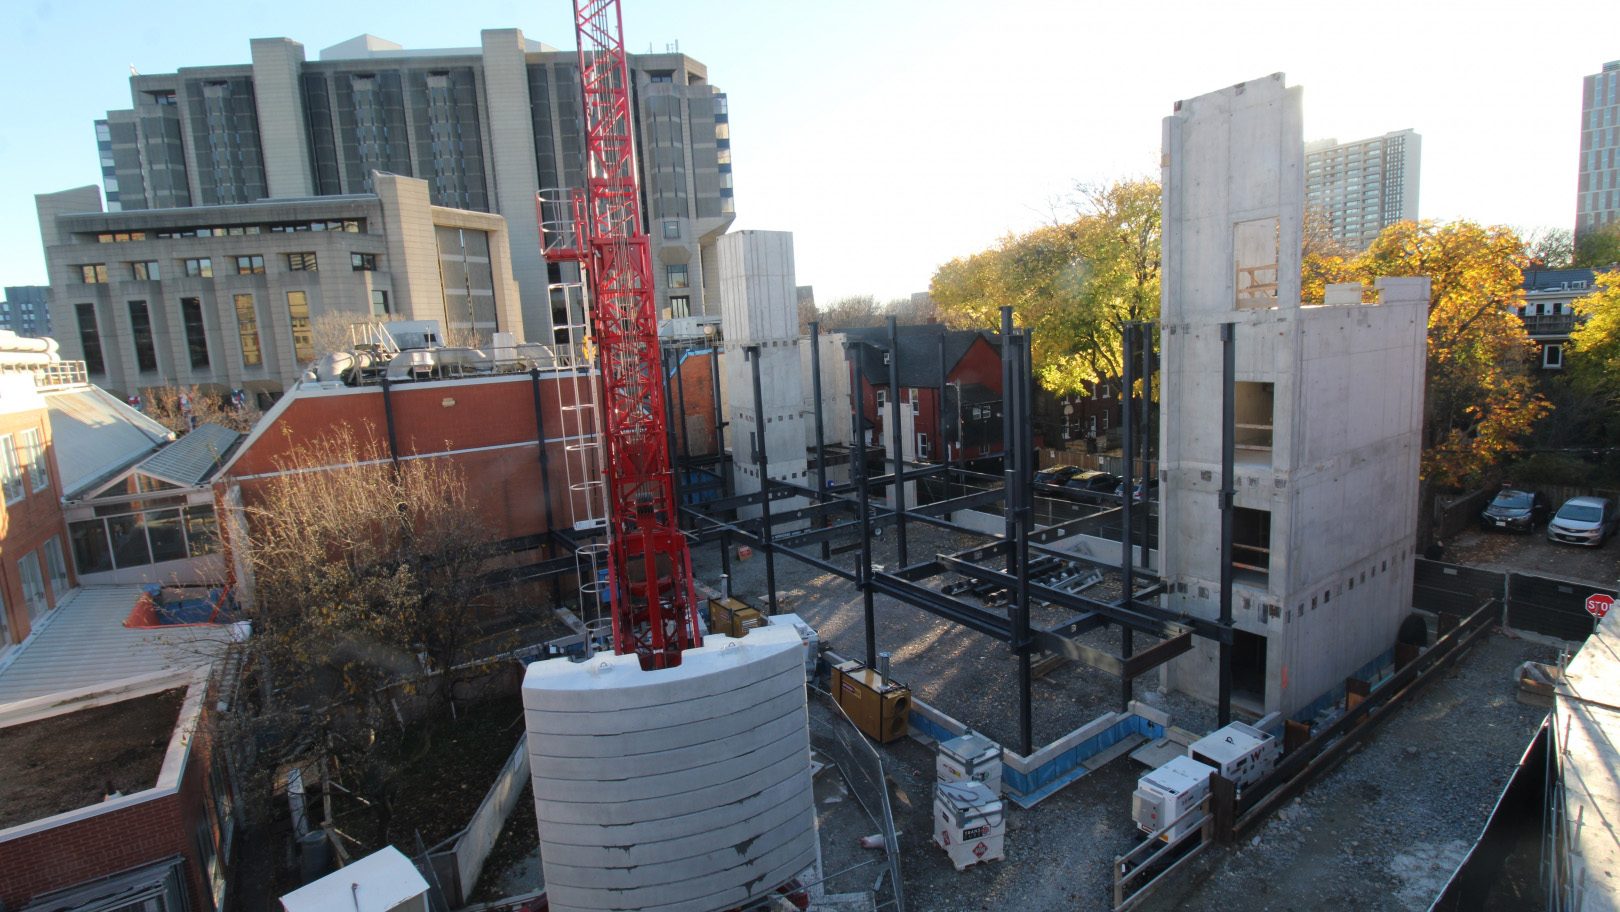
{"x":960,"y":422}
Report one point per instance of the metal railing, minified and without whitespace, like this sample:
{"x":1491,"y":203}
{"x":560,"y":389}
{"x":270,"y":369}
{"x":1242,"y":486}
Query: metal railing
{"x":50,"y":375}
{"x":1549,"y":324}
{"x":1153,"y":856}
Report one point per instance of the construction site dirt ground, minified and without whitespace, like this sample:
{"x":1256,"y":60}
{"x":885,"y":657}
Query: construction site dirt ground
{"x":1382,"y":831}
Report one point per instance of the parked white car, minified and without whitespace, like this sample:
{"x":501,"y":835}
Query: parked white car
{"x":1583,"y":521}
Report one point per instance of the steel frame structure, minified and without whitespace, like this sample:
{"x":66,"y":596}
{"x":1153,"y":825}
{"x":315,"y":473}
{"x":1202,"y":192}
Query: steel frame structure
{"x":650,"y":568}
{"x":847,"y":510}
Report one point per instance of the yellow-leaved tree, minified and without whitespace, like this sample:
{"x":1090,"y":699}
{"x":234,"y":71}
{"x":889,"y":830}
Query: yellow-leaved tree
{"x":1592,"y":360}
{"x":1074,"y":284}
{"x":1480,"y":400}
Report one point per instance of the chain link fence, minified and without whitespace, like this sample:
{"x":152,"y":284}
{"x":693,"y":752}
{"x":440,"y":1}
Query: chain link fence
{"x":836,"y":739}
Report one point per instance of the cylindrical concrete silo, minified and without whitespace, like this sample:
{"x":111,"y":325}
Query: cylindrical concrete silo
{"x":682,"y":789}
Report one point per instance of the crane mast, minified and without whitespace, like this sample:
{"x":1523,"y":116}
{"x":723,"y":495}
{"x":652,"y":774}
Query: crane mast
{"x":652,"y":603}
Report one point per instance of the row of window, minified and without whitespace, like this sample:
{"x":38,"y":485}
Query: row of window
{"x":349,"y":226}
{"x":203,"y":267}
{"x":20,"y":454}
{"x":33,"y":585}
{"x":191,"y":319}
{"x":136,"y":537}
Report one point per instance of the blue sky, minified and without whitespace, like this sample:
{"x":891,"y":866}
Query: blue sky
{"x":893,"y":136}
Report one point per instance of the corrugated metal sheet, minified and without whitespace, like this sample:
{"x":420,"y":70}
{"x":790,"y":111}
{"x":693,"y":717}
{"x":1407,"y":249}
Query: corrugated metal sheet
{"x":85,"y":644}
{"x":191,"y":459}
{"x":96,"y":436}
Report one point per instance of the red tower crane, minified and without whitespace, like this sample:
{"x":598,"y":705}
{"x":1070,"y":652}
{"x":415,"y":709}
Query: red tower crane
{"x":653,"y":605}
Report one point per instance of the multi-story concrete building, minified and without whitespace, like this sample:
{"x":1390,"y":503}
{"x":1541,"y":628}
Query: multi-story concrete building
{"x":26,"y":310}
{"x":1597,"y":197}
{"x":1365,"y":186}
{"x":240,"y":296}
{"x":487,"y":127}
{"x":1325,"y":492}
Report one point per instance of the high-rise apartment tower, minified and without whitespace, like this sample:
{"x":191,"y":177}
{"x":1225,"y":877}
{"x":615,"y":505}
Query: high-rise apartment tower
{"x":1597,"y":197}
{"x":486,"y":127}
{"x":1365,"y":186}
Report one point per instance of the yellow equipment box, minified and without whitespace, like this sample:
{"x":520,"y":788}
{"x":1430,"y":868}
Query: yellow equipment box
{"x":879,"y":708}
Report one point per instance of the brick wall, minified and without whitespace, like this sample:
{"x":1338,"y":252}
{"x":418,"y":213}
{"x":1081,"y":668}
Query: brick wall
{"x":26,"y":525}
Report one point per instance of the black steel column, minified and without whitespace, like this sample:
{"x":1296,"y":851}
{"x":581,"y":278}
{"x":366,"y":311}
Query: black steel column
{"x":763,"y":464}
{"x":895,"y":436}
{"x":1127,"y":503}
{"x":821,"y":452}
{"x":721,"y":465}
{"x":680,"y":409}
{"x":1228,"y":458}
{"x":1010,"y":383}
{"x":669,"y":433}
{"x":388,"y":417}
{"x":939,"y":415}
{"x":863,"y":571}
{"x":1149,"y":474}
{"x":1024,"y":458}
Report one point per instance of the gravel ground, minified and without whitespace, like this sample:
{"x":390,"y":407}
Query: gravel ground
{"x":1533,"y":553}
{"x":968,"y":675}
{"x":1382,"y":831}
{"x":1385,"y":830}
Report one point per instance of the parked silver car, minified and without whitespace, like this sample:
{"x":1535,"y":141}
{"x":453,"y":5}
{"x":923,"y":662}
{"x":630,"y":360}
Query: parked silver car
{"x":1583,"y":521}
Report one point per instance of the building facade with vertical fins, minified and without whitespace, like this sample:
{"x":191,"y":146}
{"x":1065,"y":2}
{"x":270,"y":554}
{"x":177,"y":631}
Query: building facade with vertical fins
{"x":1363,"y":187}
{"x":1597,"y":197}
{"x":486,"y":127}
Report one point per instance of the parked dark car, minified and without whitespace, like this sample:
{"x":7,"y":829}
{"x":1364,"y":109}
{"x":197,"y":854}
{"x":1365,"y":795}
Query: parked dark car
{"x":1584,"y":521}
{"x":1091,"y":487}
{"x":1056,"y":475}
{"x":1515,"y":511}
{"x":1150,"y":490}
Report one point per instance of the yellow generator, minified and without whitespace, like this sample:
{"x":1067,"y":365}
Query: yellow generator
{"x":879,"y":707}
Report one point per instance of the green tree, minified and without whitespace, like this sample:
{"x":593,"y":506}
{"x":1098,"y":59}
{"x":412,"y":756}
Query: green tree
{"x":1075,"y":284}
{"x":1480,"y":399}
{"x":1599,"y":248}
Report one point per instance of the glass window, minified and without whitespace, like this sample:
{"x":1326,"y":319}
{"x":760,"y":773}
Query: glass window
{"x":676,"y":275}
{"x":140,"y":331}
{"x":163,"y":529}
{"x":680,"y":306}
{"x":672,"y":228}
{"x":363,"y":262}
{"x":90,"y":338}
{"x":202,"y":267}
{"x":247,"y":323}
{"x":303,"y":338}
{"x":196,"y":331}
{"x":93,"y":273}
{"x":11,"y":478}
{"x":33,"y":586}
{"x":56,"y":567}
{"x":127,"y":534}
{"x":144,"y":271}
{"x":250,"y":265}
{"x":379,"y":303}
{"x":33,"y":456}
{"x":301,"y":262}
{"x":5,"y":626}
{"x":202,"y":533}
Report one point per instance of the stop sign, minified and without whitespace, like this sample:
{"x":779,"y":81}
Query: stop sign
{"x":1598,"y":604}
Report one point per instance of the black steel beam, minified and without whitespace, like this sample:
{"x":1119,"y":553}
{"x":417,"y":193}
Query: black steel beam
{"x":937,"y":603}
{"x":1157,"y":655}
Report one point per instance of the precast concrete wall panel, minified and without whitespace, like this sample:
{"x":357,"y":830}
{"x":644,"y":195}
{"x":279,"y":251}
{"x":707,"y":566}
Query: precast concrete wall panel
{"x":682,"y":789}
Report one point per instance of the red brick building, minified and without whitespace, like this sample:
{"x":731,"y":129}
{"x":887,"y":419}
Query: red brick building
{"x":960,"y":422}
{"x":35,"y":572}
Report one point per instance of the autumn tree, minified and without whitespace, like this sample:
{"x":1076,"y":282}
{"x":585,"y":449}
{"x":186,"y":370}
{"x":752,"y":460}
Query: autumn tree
{"x":852,"y":312}
{"x":1592,"y":358}
{"x":1480,"y":400}
{"x":1075,"y":283}
{"x":366,"y":588}
{"x":181,"y":408}
{"x":1549,"y":248}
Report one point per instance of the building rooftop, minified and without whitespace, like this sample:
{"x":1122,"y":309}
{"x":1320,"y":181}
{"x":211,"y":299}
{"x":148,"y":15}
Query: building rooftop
{"x":191,"y":460}
{"x":1586,"y":719}
{"x":97,"y":435}
{"x":919,"y":351}
{"x":1557,"y":279}
{"x":83,"y":645}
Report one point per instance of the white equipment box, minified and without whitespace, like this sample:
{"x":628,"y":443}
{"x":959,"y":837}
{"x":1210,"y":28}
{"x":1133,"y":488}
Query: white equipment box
{"x":1239,"y":752}
{"x":970,"y":823}
{"x":970,"y":758}
{"x":1169,"y":792}
{"x":807,"y":636}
